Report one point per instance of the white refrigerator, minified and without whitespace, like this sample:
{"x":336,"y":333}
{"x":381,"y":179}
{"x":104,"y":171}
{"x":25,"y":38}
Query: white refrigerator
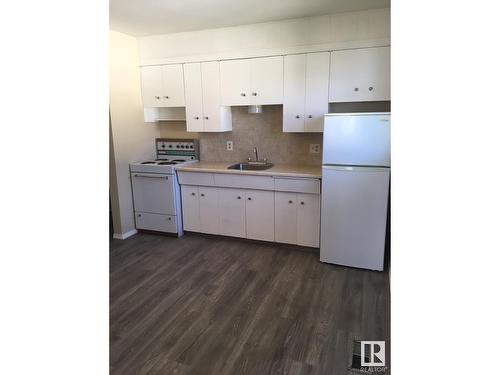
{"x":355,"y":189}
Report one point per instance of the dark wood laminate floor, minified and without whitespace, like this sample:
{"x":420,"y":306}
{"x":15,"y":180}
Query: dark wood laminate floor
{"x":214,"y":305}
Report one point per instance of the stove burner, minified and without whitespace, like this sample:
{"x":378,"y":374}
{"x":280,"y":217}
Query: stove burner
{"x":148,"y":162}
{"x":179,"y":160}
{"x":166,"y":163}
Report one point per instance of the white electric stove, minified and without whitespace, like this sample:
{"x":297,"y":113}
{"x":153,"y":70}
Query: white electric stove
{"x":156,"y":192}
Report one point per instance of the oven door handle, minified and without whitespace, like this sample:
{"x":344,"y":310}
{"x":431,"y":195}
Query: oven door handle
{"x":149,"y":176}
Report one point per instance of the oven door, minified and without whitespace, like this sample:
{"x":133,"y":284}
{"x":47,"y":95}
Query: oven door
{"x":153,"y":193}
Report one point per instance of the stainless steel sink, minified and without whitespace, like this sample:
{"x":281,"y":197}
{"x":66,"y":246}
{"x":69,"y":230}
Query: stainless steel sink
{"x":251,"y":166}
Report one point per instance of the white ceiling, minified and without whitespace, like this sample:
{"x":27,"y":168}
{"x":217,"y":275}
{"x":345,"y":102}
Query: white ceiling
{"x":150,"y":17}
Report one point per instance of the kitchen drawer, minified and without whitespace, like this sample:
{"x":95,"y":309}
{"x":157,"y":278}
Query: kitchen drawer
{"x":245,"y":182}
{"x":297,"y":185}
{"x":195,"y":178}
{"x":160,"y":223}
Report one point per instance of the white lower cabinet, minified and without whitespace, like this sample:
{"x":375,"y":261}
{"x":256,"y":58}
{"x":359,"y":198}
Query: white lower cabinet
{"x":308,"y":219}
{"x":297,"y":218}
{"x":209,"y":215}
{"x":260,"y":214}
{"x":286,"y":217}
{"x":267,"y":215}
{"x":190,"y":208}
{"x":232,"y":212}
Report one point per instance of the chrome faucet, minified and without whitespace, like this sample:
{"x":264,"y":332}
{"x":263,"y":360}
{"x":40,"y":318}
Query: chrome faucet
{"x":256,"y":154}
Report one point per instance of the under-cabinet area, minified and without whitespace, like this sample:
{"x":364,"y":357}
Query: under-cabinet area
{"x":267,"y":208}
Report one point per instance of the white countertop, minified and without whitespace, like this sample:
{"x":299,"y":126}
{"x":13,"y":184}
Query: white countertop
{"x":283,"y":170}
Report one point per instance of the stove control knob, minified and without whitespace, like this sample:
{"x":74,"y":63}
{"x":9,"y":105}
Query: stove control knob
{"x":177,"y":146}
{"x":170,"y":146}
{"x":163,"y":145}
{"x":182,"y":146}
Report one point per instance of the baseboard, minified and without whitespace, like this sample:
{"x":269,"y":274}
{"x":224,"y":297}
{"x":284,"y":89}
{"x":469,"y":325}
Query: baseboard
{"x":124,"y":236}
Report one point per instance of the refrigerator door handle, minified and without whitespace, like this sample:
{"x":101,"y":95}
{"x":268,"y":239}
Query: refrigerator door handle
{"x":347,"y":168}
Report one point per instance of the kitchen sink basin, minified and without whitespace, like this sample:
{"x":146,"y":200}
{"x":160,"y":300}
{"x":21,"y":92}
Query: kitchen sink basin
{"x":251,"y":166}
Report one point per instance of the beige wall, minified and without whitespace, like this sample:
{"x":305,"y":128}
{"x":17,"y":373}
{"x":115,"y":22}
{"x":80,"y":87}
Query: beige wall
{"x":131,"y":138}
{"x":263,"y":131}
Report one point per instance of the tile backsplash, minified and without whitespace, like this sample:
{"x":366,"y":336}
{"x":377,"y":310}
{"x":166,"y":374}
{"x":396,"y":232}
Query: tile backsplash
{"x":264,"y":131}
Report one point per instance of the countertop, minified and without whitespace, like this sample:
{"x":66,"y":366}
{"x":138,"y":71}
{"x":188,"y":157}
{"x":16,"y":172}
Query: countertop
{"x":283,"y":170}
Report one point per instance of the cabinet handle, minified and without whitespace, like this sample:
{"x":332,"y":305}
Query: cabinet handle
{"x":206,"y":117}
{"x":202,"y":194}
{"x":370,"y":88}
{"x":290,"y":201}
{"x":166,"y":96}
{"x":238,"y":198}
{"x":147,"y":176}
{"x":310,"y":116}
{"x":297,"y":116}
{"x":169,"y":218}
{"x":302,"y":203}
{"x":157,"y":97}
{"x":243,"y":94}
{"x":356,"y":89}
{"x":139,"y":215}
{"x":254,"y":93}
{"x":193,"y":194}
{"x":196,"y":118}
{"x":249,"y":198}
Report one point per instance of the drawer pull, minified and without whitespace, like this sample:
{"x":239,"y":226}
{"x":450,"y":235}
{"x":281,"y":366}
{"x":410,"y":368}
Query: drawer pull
{"x":302,"y":203}
{"x":249,"y":198}
{"x":193,"y":194}
{"x":290,"y":202}
{"x":238,"y":198}
{"x":202,"y":194}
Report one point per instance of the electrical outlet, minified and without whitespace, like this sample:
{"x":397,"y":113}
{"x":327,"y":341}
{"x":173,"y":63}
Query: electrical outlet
{"x":314,"y":148}
{"x":229,"y":145}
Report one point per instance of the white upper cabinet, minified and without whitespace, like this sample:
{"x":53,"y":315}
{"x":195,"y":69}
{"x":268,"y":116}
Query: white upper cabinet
{"x":173,"y":85}
{"x":252,"y":81}
{"x":317,"y":74}
{"x":162,"y":86}
{"x":266,"y":78}
{"x":235,"y":82}
{"x":360,"y":75}
{"x":305,"y":91}
{"x":294,"y":97}
{"x":203,"y":110}
{"x":152,"y":86}
{"x":194,"y":97}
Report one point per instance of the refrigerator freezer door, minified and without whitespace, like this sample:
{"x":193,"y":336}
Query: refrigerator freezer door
{"x":353,"y":216}
{"x":357,"y":140}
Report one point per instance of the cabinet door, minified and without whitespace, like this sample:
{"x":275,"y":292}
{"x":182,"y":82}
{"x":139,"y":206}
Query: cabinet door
{"x":194,"y":101}
{"x":360,"y":75}
{"x":190,"y":208}
{"x":259,"y":207}
{"x":317,"y":83}
{"x":266,"y":77}
{"x":308,"y":219}
{"x":285,"y":209}
{"x":211,"y":96}
{"x":173,"y":86}
{"x":151,"y":84}
{"x":294,"y":85}
{"x":235,"y":82}
{"x":232,"y":212}
{"x":209,"y":215}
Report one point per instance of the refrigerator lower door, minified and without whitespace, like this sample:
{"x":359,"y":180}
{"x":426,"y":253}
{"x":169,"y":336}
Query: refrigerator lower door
{"x":354,"y":215}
